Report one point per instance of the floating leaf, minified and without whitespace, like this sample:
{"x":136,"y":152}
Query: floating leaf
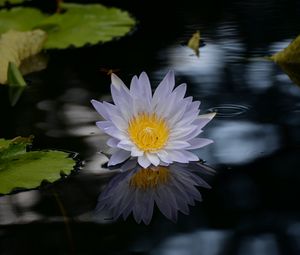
{"x":82,"y":24}
{"x":194,"y":43}
{"x":290,"y":54}
{"x":16,"y":46}
{"x":77,"y":25}
{"x":20,"y":169}
{"x":19,"y":19}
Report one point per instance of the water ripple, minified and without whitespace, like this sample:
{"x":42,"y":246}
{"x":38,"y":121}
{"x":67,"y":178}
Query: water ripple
{"x":229,"y":110}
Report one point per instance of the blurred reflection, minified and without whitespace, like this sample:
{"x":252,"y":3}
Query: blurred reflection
{"x":248,"y":141}
{"x":261,"y":245}
{"x":204,"y":68}
{"x":18,"y":208}
{"x":258,"y":73}
{"x":172,"y":188}
{"x":199,"y":242}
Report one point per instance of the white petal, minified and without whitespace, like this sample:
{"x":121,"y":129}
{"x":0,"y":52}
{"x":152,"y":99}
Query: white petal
{"x":205,"y":118}
{"x":164,"y":156}
{"x":193,"y":106}
{"x":139,"y":106}
{"x":180,"y":91}
{"x":187,"y":118}
{"x":145,"y":87}
{"x":178,"y":113}
{"x":103,"y":125}
{"x":153,"y":158}
{"x":119,"y":122}
{"x":178,"y":133}
{"x":112,"y":142}
{"x":134,"y":87}
{"x":182,"y":156}
{"x":135,"y":152}
{"x":100,"y":108}
{"x":164,"y":88}
{"x":121,"y":97}
{"x":118,"y":157}
{"x":117,"y":82}
{"x":111,"y":109}
{"x":192,"y":135}
{"x":197,"y":143}
{"x":189,"y":155}
{"x":123,"y":101}
{"x":143,"y":161}
{"x":166,"y":105}
{"x":177,"y":156}
{"x":114,"y":132}
{"x":175,"y":145}
{"x":140,"y":91}
{"x":125,"y":145}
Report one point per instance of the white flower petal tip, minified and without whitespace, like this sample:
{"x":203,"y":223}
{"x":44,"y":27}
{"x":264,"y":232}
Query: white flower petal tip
{"x":116,"y":81}
{"x":207,"y":115}
{"x":171,"y":188}
{"x":156,"y":128}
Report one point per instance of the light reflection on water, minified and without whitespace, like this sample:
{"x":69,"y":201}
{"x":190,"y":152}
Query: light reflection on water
{"x":261,"y":245}
{"x":248,"y":141}
{"x":194,"y":242}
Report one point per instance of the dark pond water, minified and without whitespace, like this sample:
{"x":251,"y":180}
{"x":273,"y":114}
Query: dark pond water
{"x":253,"y":206}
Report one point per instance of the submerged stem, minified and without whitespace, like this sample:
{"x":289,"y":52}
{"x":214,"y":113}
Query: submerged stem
{"x":66,"y":222}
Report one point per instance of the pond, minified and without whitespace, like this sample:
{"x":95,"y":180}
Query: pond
{"x":252,"y":207}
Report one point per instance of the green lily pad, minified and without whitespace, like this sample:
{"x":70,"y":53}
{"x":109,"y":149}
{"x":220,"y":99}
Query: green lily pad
{"x":20,"y":169}
{"x":20,"y":19}
{"x":89,"y":23}
{"x":77,"y":25}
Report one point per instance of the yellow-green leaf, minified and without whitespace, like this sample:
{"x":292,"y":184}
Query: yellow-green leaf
{"x":290,"y":54}
{"x":16,"y":46}
{"x":194,"y":43}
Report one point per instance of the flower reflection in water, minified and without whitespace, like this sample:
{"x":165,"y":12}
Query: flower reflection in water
{"x":172,"y":188}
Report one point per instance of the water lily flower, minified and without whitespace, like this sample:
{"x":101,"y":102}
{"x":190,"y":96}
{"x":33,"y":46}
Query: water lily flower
{"x":172,"y":188}
{"x":156,"y":129}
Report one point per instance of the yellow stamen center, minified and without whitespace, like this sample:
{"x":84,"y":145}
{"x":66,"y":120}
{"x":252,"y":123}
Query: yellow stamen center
{"x":148,"y":132}
{"x":149,"y":177}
